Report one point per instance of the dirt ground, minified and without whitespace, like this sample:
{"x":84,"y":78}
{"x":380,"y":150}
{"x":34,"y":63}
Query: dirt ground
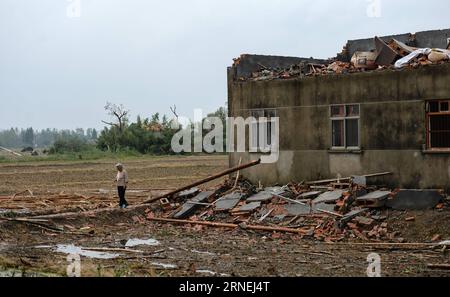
{"x":30,"y":248}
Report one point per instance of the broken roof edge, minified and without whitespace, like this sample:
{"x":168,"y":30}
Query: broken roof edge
{"x":370,"y":74}
{"x":246,"y":64}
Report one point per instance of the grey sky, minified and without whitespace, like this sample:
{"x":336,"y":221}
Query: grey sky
{"x":57,"y":71}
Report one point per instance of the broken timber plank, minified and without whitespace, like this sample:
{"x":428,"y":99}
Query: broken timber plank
{"x":203,"y":181}
{"x":326,"y":181}
{"x":231,"y":226}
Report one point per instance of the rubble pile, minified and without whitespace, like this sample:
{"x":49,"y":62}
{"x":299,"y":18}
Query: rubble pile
{"x":325,"y":211}
{"x":391,"y":55}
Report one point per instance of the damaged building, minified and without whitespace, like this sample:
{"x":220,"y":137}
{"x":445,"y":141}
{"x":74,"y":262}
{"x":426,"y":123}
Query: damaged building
{"x":382,"y":105}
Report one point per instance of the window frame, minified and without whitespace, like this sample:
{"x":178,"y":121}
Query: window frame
{"x":344,"y":118}
{"x":270,"y":114}
{"x":428,"y":115}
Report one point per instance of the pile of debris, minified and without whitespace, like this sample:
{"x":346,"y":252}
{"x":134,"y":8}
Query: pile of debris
{"x":391,"y":55}
{"x":328,"y":210}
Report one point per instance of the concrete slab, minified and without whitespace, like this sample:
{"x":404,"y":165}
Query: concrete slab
{"x":228,"y":202}
{"x":188,"y":208}
{"x":324,"y":206}
{"x":329,"y":197}
{"x":260,"y":197}
{"x":275,"y":190}
{"x":298,"y":209}
{"x":377,"y":195}
{"x":310,"y":195}
{"x":349,"y":216}
{"x":188,"y":193}
{"x":415,"y":200}
{"x":295,"y":209}
{"x":374,"y":199}
{"x":250,"y":207}
{"x":359,"y":180}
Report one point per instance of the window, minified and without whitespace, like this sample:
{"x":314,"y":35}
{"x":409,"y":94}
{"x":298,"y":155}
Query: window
{"x":345,"y":126}
{"x":262,"y":131}
{"x":438,"y":124}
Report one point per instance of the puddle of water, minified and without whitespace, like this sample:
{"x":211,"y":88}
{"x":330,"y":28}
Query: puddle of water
{"x":204,"y":253}
{"x":204,"y":271}
{"x":71,"y":249}
{"x":43,"y":247}
{"x":135,"y":242}
{"x":165,"y":266}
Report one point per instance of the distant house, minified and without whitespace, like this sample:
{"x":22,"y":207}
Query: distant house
{"x":395,"y":120}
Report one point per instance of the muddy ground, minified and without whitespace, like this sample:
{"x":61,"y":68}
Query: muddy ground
{"x":30,"y":249}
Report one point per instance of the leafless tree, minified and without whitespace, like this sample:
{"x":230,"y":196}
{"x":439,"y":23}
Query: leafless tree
{"x":174,"y":110}
{"x":119,"y":113}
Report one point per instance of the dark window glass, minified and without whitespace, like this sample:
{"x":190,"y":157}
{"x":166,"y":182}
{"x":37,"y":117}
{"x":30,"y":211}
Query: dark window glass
{"x":351,"y":133}
{"x":434,"y":106}
{"x":440,"y":131}
{"x":444,"y":106}
{"x":257,"y":114}
{"x":352,"y":110}
{"x":338,"y":111}
{"x":270,"y":113}
{"x":338,"y":133}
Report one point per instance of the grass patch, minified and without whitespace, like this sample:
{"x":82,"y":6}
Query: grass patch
{"x":87,"y":155}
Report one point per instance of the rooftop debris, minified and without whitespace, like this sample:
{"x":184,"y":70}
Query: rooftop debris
{"x":392,"y":55}
{"x":332,"y":215}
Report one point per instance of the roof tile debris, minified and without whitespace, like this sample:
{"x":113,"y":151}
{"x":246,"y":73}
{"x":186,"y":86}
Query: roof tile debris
{"x":393,"y":54}
{"x":338,"y":213}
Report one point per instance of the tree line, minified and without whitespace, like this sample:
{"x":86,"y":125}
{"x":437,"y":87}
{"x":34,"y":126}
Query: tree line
{"x":151,"y":135}
{"x":145,"y":135}
{"x":45,"y":138}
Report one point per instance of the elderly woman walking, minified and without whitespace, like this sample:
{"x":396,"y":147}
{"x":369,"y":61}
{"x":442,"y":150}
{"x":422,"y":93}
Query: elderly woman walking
{"x":121,"y":181}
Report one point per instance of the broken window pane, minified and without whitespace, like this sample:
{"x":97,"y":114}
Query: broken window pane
{"x":338,"y":111}
{"x":352,"y":110}
{"x":351,"y":133}
{"x":338,"y":133}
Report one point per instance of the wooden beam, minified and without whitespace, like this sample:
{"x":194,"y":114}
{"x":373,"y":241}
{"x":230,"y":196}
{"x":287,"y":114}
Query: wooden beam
{"x":203,"y":181}
{"x":230,"y":226}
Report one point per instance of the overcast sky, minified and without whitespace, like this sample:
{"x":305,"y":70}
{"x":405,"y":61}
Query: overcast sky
{"x":58,"y":69}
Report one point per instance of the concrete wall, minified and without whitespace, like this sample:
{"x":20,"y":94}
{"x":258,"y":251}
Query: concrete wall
{"x":392,"y":125}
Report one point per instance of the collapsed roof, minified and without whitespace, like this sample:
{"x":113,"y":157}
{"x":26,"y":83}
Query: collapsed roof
{"x":373,"y":54}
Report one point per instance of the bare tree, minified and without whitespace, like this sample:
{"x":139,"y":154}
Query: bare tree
{"x":174,"y":110}
{"x":119,"y":113}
